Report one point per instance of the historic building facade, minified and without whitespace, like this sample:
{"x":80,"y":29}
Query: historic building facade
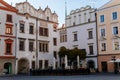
{"x":108,"y":23}
{"x":8,"y":22}
{"x":28,"y":38}
{"x":80,"y":32}
{"x":36,"y":38}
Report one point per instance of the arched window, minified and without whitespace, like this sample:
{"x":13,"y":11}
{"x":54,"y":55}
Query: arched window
{"x":47,"y":18}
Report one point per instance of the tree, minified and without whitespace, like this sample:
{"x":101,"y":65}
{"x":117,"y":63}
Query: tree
{"x":62,"y":52}
{"x":72,"y":54}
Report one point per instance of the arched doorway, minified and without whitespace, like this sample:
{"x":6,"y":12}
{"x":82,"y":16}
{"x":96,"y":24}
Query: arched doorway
{"x":8,"y":68}
{"x":23,"y":66}
{"x":91,"y":64}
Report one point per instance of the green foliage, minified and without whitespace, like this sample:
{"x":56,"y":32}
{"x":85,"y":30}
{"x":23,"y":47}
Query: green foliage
{"x":72,"y":53}
{"x":62,"y":52}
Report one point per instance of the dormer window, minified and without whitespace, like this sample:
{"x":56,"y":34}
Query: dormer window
{"x":73,"y":23}
{"x":47,"y":18}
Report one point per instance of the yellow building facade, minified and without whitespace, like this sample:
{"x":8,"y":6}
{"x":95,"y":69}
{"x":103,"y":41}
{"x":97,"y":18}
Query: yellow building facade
{"x":108,"y":28}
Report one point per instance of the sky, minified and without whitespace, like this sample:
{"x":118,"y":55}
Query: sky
{"x":59,"y":5}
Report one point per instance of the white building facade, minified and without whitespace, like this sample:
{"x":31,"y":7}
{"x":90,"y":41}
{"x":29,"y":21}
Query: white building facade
{"x":8,"y":22}
{"x":36,"y":38}
{"x":80,"y":32}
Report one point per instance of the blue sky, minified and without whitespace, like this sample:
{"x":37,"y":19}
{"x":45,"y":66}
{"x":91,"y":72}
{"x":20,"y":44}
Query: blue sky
{"x":59,"y":5}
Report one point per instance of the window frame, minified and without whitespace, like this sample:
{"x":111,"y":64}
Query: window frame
{"x":8,"y":41}
{"x":90,"y":36}
{"x":31,"y":29}
{"x":115,"y":30}
{"x":9,"y":29}
{"x":114,"y":16}
{"x":23,"y":47}
{"x":22,"y":28}
{"x":9,"y":18}
{"x":102,"y":18}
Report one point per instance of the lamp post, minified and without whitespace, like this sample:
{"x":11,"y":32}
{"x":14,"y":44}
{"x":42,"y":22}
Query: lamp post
{"x":114,"y":59}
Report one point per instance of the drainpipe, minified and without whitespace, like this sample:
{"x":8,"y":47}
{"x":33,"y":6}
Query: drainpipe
{"x":36,"y":43}
{"x":96,"y":38}
{"x":15,"y":48}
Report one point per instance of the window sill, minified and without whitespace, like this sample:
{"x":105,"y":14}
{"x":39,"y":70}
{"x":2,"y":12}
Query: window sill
{"x":9,"y":33}
{"x":90,"y":38}
{"x":91,"y":54}
{"x":103,"y":50}
{"x":22,"y":32}
{"x":75,"y":40}
{"x":31,"y":33}
{"x":8,"y":53}
{"x":22,"y":50}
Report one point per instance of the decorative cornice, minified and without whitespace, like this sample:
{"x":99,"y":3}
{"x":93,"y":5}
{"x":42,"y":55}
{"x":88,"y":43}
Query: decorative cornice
{"x":7,"y":57}
{"x":7,"y":36}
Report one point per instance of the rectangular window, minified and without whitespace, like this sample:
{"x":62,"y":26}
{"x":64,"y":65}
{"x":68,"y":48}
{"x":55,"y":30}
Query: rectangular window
{"x":61,"y":39}
{"x":74,"y":24}
{"x":43,"y":47}
{"x":102,"y":32}
{"x":22,"y":28}
{"x":8,"y":48}
{"x":65,"y":38}
{"x":115,"y":30}
{"x":75,"y":37}
{"x":103,"y":46}
{"x":31,"y":30}
{"x":55,"y":41}
{"x":31,"y":46}
{"x":33,"y":64}
{"x":8,"y":29}
{"x":91,"y":49}
{"x":46,"y":64}
{"x":43,"y":32}
{"x":9,"y":18}
{"x":21,"y":45}
{"x":40,"y":47}
{"x":84,"y":17}
{"x":90,"y":33}
{"x":114,"y":15}
{"x":46,"y":45}
{"x":116,"y":45}
{"x":40,"y":64}
{"x":55,"y":54}
{"x":102,"y":18}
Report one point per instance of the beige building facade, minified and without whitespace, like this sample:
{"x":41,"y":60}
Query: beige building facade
{"x":108,"y":23}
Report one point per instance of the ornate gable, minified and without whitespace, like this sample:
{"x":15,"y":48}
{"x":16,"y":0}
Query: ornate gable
{"x":7,"y":7}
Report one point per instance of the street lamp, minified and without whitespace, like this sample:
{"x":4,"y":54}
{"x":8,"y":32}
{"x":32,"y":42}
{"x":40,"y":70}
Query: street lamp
{"x":114,"y":59}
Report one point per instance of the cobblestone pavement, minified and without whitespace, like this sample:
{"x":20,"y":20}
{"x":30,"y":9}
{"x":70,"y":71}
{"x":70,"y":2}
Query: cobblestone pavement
{"x":80,"y":77}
